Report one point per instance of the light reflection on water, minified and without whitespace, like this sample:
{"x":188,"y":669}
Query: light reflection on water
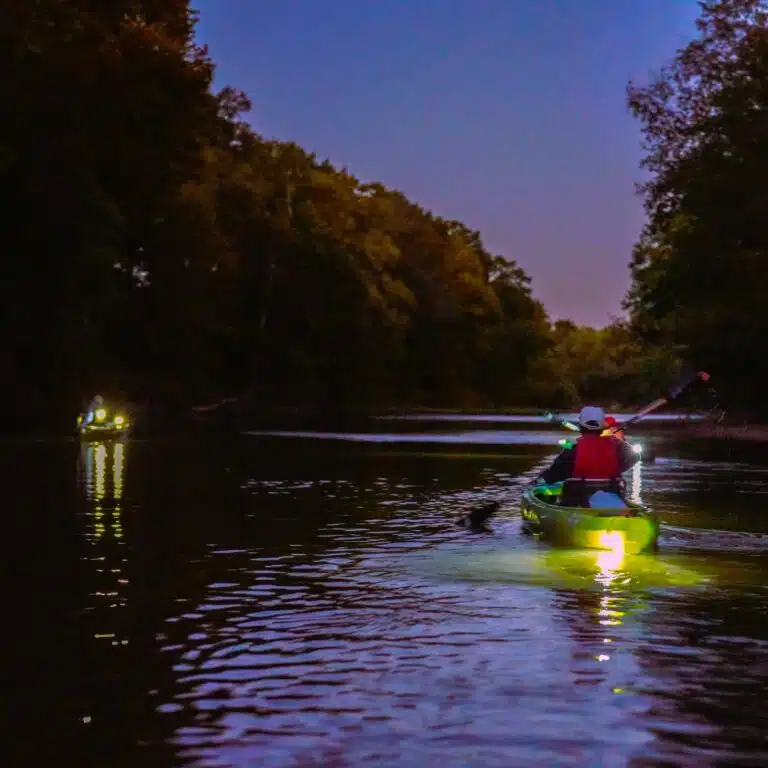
{"x":462,"y":437}
{"x":365,"y":656}
{"x":102,"y":468}
{"x":403,"y":641}
{"x":328,"y":611}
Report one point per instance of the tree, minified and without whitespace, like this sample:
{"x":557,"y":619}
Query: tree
{"x":519,"y":335}
{"x":699,"y":269}
{"x":105,"y":115}
{"x":608,"y":366}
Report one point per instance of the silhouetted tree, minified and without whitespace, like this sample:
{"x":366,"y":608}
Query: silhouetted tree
{"x":699,"y":269}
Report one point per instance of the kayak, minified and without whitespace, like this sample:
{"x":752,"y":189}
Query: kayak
{"x":103,"y":427}
{"x":631,"y":527}
{"x":105,"y":433}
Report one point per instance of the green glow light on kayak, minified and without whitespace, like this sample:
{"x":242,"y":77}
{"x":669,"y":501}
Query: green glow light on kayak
{"x":634,"y":535}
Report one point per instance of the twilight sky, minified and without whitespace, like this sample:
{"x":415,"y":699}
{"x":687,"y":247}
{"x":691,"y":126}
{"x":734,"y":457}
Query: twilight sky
{"x":508,"y":115}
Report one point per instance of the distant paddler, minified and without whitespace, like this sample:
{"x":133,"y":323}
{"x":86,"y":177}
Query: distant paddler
{"x":101,"y":422}
{"x":95,"y":411}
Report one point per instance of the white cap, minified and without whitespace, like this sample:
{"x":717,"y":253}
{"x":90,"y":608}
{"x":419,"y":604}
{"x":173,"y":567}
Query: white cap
{"x":592,"y":417}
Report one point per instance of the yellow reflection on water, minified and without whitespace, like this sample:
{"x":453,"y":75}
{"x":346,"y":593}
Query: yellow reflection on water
{"x":117,"y":470}
{"x":100,"y":462}
{"x":614,"y":598}
{"x":614,"y":577}
{"x":609,"y":563}
{"x":608,"y":612}
{"x":105,"y":497}
{"x":102,"y":468}
{"x":636,"y":483}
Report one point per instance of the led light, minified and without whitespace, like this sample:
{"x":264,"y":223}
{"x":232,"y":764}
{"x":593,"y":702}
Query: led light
{"x":101,"y":414}
{"x":637,"y":448}
{"x":119,"y":421}
{"x":612,"y":540}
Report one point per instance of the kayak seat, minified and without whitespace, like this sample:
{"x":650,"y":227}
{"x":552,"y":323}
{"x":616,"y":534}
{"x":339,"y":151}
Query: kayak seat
{"x":577,"y":491}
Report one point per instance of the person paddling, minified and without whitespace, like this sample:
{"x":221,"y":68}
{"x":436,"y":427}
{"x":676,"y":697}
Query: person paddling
{"x":594,"y":456}
{"x":96,"y":403}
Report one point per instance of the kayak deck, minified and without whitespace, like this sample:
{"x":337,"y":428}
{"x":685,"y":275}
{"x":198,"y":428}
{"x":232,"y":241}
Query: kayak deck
{"x":631,"y":528}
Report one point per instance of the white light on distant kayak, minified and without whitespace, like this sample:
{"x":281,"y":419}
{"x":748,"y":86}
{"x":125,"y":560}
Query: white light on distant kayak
{"x":637,"y":448}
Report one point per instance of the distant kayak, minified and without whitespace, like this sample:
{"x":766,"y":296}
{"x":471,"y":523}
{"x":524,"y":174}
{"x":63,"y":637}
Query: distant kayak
{"x":610,"y":523}
{"x":103,"y":426}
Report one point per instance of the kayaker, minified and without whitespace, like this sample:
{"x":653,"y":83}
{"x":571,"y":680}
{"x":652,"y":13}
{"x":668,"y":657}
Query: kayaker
{"x":96,"y":403}
{"x":594,"y":456}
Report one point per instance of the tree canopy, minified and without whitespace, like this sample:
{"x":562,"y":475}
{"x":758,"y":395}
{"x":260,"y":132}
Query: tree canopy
{"x":158,"y":248}
{"x":609,"y":366}
{"x":699,"y":269}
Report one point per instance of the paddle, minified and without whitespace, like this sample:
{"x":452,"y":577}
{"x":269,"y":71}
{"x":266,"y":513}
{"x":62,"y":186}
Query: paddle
{"x":561,"y":422}
{"x":672,"y":393}
{"x":478,"y":516}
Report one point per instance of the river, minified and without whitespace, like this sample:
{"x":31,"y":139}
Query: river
{"x":306,"y":599}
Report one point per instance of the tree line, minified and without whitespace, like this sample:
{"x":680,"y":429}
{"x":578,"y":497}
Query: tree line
{"x":157,"y":248}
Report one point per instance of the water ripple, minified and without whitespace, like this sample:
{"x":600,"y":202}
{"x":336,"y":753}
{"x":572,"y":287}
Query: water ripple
{"x":335,"y":615}
{"x":365,"y":644}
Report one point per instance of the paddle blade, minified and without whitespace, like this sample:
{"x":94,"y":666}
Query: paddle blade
{"x":480,"y":515}
{"x":686,"y":382}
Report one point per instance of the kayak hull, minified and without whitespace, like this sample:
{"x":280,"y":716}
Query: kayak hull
{"x":94,"y":434}
{"x":633,"y":528}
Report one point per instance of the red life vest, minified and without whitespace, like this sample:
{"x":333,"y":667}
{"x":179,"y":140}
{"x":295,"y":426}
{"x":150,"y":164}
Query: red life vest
{"x":597,"y":457}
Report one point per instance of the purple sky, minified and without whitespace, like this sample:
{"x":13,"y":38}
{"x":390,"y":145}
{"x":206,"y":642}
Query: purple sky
{"x":506,"y":114}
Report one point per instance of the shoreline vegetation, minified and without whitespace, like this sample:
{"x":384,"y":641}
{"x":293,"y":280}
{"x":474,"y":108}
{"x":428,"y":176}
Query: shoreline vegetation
{"x":204,"y":258}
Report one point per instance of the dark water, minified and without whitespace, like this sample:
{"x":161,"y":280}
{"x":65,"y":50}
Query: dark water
{"x":289,"y":601}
